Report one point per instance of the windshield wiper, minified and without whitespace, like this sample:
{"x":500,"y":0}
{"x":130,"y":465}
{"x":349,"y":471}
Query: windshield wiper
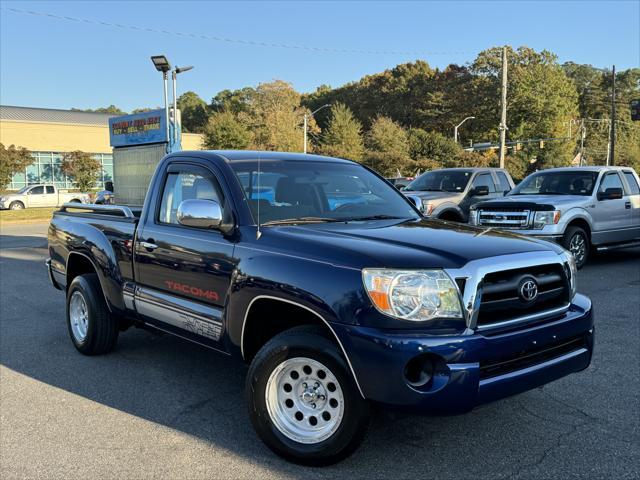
{"x":285,"y":221}
{"x":373,"y":217}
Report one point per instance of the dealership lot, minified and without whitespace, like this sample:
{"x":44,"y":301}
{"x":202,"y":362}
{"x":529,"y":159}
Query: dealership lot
{"x":160,"y":407}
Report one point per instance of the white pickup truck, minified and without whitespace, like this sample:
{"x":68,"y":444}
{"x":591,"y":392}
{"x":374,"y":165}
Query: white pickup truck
{"x":40,"y":196}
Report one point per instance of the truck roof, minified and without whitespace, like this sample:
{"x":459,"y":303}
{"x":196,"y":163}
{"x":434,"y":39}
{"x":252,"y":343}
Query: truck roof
{"x":241,"y":155}
{"x":594,"y":168}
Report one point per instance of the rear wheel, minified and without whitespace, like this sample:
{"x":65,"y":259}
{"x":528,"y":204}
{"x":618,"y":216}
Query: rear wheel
{"x":576,"y":240}
{"x":92,"y":328}
{"x":303,"y":401}
{"x":16,"y":206}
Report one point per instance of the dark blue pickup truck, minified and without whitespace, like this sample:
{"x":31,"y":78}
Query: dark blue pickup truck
{"x":330,"y":284}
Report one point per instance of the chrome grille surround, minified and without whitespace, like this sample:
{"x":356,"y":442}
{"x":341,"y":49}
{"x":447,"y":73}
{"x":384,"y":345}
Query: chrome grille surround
{"x":474,"y":272}
{"x":505,"y":218}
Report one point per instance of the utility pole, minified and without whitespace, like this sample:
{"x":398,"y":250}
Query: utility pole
{"x":503,"y":116}
{"x":612,"y":141}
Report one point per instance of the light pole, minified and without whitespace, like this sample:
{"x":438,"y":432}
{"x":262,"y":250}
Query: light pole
{"x":174,"y":74}
{"x":455,"y":130}
{"x":306,"y":122}
{"x":162,"y":65}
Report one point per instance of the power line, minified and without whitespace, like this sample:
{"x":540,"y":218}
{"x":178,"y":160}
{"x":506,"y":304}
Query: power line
{"x":238,"y":41}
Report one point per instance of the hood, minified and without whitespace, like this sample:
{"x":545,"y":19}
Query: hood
{"x":435,"y":197}
{"x":414,"y":244}
{"x":534,"y":202}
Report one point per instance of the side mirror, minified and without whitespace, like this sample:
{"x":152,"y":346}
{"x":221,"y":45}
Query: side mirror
{"x":200,"y":213}
{"x":480,"y":191}
{"x":610,"y":194}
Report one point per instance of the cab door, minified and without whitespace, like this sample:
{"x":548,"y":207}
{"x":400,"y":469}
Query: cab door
{"x":36,"y":197}
{"x":183,"y":273}
{"x":611,"y":217}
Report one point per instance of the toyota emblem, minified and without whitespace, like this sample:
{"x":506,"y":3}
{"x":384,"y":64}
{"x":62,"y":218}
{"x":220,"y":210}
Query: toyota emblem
{"x":529,"y":290}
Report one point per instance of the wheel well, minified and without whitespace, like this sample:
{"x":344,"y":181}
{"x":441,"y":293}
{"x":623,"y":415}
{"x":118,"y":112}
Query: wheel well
{"x":450,"y":215}
{"x":269,"y":317}
{"x":78,"y":265}
{"x":583,"y":224}
{"x":17,"y":201}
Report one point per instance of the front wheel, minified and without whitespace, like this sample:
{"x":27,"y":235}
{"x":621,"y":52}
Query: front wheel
{"x":303,"y":402}
{"x":575,"y":240}
{"x":16,"y":206}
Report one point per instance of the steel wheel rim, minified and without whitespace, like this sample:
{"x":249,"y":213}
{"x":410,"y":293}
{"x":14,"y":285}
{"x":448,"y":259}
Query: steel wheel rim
{"x":304,"y":400}
{"x":578,"y":247}
{"x":16,"y":206}
{"x":78,"y":316}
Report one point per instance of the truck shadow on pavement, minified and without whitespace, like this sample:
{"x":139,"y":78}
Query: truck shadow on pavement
{"x":193,"y":390}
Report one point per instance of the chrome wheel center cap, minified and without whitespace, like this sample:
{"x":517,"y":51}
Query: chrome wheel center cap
{"x":309,"y":396}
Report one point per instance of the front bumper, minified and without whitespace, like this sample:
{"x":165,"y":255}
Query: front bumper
{"x":467,"y":375}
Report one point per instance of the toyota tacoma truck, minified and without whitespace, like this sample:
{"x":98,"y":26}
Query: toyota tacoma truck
{"x":40,"y":196}
{"x":335,"y":302}
{"x":583,"y":208}
{"x":449,"y":193}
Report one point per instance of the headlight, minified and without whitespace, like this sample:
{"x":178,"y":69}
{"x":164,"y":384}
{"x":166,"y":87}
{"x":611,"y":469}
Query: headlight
{"x":427,"y":207}
{"x":416,"y":295}
{"x":546,"y":218}
{"x":473,"y":216}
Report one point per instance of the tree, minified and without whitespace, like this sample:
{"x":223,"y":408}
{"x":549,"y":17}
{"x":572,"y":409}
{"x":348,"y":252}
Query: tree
{"x":343,"y":135}
{"x":82,"y":167}
{"x":432,"y":146}
{"x":225,"y":131}
{"x":193,"y":111}
{"x":12,"y":160}
{"x":110,"y":109}
{"x":387,"y":147}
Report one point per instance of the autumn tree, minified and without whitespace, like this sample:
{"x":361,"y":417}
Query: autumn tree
{"x":12,"y":160}
{"x":343,"y":135}
{"x":225,"y":130}
{"x":82,"y":167}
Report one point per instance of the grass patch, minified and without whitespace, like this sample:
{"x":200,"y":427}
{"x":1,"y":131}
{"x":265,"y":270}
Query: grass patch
{"x":27,"y":215}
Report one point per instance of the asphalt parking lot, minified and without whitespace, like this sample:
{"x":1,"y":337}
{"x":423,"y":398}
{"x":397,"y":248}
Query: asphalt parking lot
{"x":160,"y":407}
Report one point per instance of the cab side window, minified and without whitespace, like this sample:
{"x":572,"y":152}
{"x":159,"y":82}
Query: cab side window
{"x":634,"y":189}
{"x":183,"y":185}
{"x":50,"y":189}
{"x":505,"y":186}
{"x":484,"y":180}
{"x":36,"y":190}
{"x":610,"y":180}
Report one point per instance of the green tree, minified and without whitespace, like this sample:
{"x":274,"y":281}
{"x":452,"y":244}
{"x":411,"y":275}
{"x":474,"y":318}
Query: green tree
{"x":82,"y":168}
{"x":225,"y":131}
{"x":388,"y":147}
{"x":343,"y":135}
{"x":432,"y":146}
{"x":193,"y":111}
{"x":12,"y":160}
{"x":110,"y":109}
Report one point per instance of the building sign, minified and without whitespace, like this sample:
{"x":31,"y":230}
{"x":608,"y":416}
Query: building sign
{"x":138,"y":129}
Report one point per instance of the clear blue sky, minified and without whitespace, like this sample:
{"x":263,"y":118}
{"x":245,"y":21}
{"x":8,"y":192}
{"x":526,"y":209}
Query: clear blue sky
{"x":47,"y":62}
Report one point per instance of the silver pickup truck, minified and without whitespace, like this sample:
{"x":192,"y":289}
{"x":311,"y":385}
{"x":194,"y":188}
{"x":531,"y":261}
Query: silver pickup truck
{"x":40,"y":196}
{"x":582,"y":208}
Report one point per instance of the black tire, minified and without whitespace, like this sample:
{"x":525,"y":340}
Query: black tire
{"x":576,"y":240}
{"x":450,"y":217}
{"x":102,"y":328}
{"x":16,"y":205}
{"x":310,"y":344}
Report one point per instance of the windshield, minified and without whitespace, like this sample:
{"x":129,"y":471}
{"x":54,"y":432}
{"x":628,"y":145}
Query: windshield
{"x":557,"y":183}
{"x":441,"y":181}
{"x":23,"y":190}
{"x":310,"y":191}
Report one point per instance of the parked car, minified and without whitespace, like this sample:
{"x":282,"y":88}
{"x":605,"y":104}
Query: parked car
{"x":40,"y":196}
{"x":335,"y":306}
{"x":449,"y":193}
{"x":400,"y":182}
{"x":582,"y":208}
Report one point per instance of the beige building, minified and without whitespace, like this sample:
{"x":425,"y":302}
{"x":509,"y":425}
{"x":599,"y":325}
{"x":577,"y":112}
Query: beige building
{"x":49,"y":133}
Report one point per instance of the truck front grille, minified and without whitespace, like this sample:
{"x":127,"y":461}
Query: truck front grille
{"x":504,"y":218}
{"x":503,"y":299}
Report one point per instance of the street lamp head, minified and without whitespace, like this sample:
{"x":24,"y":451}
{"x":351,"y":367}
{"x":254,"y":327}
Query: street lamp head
{"x":183,"y":69}
{"x":161,"y":63}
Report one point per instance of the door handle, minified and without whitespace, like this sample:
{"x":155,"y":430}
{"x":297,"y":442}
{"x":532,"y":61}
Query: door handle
{"x":627,"y":205}
{"x":149,"y":245}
